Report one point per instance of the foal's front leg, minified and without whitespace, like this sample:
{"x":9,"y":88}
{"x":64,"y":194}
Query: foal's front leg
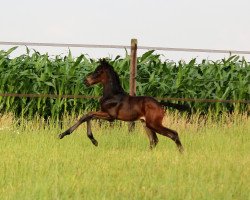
{"x":89,"y":133}
{"x":96,"y":115}
{"x":88,"y":117}
{"x":72,"y":128}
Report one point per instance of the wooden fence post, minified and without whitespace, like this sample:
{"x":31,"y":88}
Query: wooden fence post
{"x":133,"y":71}
{"x":133,"y":67}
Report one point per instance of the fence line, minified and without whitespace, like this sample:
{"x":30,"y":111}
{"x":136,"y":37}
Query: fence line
{"x":195,"y":50}
{"x":65,"y":45}
{"x":204,"y":100}
{"x":123,"y":47}
{"x":97,"y":97}
{"x":48,"y":96}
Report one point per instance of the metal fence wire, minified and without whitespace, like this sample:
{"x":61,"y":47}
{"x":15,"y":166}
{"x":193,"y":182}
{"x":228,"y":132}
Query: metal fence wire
{"x":123,"y":47}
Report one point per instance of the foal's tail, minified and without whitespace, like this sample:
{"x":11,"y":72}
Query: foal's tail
{"x":176,"y":106}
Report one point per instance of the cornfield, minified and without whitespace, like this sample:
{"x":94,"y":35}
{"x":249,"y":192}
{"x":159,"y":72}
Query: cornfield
{"x":35,"y":73}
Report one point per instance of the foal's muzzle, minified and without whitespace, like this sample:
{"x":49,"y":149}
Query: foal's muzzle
{"x":89,"y":80}
{"x":86,"y":82}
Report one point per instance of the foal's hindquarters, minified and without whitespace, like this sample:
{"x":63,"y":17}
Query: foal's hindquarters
{"x":152,"y":120}
{"x":151,"y":113}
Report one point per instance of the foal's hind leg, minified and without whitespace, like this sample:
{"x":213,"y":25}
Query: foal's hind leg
{"x":173,"y":135}
{"x":153,"y":139}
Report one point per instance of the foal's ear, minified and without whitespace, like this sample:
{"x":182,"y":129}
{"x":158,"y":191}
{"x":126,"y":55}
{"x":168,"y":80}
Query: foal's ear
{"x":103,"y":61}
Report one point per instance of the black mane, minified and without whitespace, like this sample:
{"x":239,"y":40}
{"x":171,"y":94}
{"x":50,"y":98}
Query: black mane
{"x":114,"y":81}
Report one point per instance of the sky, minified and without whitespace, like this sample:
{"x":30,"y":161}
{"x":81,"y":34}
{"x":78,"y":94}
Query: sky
{"x":209,"y":24}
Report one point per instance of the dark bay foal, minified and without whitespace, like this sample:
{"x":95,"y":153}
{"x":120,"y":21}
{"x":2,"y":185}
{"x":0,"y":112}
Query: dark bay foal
{"x":116,"y":104}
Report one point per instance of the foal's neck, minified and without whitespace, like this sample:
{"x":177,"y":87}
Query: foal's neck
{"x":113,"y":85}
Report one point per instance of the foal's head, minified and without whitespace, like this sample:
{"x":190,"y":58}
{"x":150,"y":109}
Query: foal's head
{"x":100,"y":75}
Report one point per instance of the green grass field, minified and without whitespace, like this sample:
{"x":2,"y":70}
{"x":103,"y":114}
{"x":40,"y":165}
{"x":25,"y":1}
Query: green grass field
{"x":35,"y":164}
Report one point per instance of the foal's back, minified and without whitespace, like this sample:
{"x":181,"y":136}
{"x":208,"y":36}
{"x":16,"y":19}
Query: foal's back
{"x":133,"y":108}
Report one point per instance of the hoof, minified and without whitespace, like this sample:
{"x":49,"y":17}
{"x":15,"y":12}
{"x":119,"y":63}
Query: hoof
{"x":60,"y":136}
{"x":181,"y":149}
{"x":94,"y":142}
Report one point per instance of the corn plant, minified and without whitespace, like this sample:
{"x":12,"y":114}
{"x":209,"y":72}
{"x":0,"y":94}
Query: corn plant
{"x":36,"y":73}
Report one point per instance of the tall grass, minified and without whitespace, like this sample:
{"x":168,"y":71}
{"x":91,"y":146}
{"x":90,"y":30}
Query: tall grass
{"x":36,"y":73}
{"x":36,"y":165}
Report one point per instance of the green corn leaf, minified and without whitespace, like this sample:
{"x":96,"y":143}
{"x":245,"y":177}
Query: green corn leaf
{"x":10,"y":51}
{"x":146,"y":55}
{"x":78,"y":60}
